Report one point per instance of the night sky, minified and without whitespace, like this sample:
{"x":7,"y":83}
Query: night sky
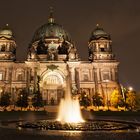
{"x":119,"y":18}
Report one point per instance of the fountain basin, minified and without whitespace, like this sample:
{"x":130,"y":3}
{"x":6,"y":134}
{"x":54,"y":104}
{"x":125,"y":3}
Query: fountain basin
{"x":98,"y":125}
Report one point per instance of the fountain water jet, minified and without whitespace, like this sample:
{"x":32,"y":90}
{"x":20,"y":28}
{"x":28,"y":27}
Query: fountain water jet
{"x":69,"y":109}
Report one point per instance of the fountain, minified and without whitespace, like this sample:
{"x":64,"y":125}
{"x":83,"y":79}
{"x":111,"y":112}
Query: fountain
{"x":69,"y":109}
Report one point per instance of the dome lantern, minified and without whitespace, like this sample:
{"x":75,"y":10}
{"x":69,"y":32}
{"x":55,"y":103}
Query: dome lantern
{"x":51,"y":18}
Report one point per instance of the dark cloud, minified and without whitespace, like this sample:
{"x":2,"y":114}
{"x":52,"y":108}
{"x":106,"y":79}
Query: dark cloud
{"x":120,"y":18}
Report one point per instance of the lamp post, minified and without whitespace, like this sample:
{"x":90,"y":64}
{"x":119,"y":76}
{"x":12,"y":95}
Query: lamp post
{"x":21,"y":101}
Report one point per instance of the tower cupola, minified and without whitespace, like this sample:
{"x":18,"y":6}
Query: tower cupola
{"x":7,"y":44}
{"x":100,"y":45}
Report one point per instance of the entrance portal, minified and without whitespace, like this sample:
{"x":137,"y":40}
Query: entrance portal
{"x":53,"y":88}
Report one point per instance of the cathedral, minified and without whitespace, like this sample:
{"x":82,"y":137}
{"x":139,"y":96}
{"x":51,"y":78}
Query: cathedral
{"x":52,"y":58}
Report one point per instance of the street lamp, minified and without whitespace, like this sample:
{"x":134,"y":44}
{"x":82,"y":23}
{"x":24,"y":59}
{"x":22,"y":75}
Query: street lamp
{"x":130,"y":89}
{"x":21,"y":101}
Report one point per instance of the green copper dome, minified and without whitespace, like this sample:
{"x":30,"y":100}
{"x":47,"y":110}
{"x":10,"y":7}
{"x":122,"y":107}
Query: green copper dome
{"x":6,"y":32}
{"x":51,"y":30}
{"x":99,"y":33}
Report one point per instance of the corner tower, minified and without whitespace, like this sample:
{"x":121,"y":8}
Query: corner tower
{"x":7,"y":44}
{"x":104,"y":63}
{"x":100,"y":45}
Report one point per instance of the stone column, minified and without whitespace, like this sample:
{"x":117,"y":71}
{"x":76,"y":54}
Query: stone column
{"x":90,"y":75}
{"x":28,"y":74}
{"x":100,"y":76}
{"x":113,"y":74}
{"x":35,"y":78}
{"x":96,"y":80}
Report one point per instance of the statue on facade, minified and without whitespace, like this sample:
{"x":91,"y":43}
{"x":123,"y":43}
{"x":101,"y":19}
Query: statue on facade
{"x":72,"y":53}
{"x":42,"y":48}
{"x":63,"y":48}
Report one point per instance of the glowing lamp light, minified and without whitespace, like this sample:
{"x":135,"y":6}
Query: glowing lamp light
{"x":130,"y":88}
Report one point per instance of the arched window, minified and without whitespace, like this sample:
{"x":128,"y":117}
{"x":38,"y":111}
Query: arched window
{"x":3,"y":48}
{"x":20,"y":77}
{"x":85,"y":73}
{"x":85,"y":77}
{"x":53,"y":79}
{"x":20,"y":74}
{"x":105,"y":76}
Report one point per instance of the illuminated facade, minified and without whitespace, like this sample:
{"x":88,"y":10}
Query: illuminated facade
{"x":52,"y":57}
